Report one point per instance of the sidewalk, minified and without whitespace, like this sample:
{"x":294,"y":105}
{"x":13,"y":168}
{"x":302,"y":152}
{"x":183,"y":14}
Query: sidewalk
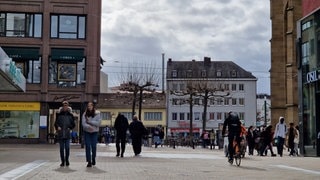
{"x":154,"y":163}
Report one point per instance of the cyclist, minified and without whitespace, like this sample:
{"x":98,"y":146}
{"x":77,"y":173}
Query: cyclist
{"x":234,"y":128}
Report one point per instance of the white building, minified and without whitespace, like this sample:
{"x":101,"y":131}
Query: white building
{"x":226,"y":77}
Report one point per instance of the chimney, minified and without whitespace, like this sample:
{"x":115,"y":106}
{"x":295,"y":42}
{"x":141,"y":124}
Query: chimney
{"x":207,"y":61}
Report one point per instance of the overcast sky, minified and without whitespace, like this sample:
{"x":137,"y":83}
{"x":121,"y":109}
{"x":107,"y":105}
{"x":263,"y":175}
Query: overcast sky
{"x":226,"y":30}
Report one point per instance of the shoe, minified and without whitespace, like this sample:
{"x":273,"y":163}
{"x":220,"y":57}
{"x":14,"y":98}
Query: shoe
{"x":117,"y":155}
{"x":67,"y":163}
{"x":93,"y":162}
{"x":121,"y":155}
{"x":273,"y":155}
{"x":62,"y":164}
{"x":230,"y":161}
{"x":89,"y":164}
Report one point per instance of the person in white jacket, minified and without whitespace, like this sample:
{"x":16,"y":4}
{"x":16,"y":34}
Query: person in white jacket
{"x":280,"y":135}
{"x":91,"y":121}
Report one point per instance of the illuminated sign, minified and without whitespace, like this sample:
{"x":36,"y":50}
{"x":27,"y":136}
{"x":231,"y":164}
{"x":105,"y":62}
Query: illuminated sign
{"x":313,"y":76}
{"x":20,"y":106}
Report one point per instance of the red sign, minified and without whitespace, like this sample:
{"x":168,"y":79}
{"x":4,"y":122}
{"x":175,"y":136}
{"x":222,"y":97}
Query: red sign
{"x":181,"y":130}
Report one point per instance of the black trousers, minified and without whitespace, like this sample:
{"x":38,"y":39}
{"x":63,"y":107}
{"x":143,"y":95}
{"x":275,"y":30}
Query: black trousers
{"x":120,"y":142}
{"x":136,"y":145}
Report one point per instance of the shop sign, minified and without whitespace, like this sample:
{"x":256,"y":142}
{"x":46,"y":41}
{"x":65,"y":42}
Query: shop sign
{"x":312,"y":76}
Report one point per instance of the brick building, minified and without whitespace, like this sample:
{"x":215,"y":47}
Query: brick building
{"x":56,"y":45}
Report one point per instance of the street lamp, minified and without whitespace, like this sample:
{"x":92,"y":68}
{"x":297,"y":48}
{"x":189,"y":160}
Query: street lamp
{"x":265,"y":110}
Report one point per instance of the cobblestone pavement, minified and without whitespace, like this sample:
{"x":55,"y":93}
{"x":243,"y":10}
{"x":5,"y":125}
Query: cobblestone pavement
{"x":41,"y":161}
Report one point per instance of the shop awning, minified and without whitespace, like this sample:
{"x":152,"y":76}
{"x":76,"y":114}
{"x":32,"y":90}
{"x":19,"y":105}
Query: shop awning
{"x":22,"y":53}
{"x":59,"y":54}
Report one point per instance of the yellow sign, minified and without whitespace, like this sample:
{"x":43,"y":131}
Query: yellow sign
{"x":19,"y":106}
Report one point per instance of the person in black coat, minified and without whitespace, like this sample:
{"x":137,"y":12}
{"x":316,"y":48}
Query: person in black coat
{"x":137,"y":131}
{"x":64,"y":124}
{"x":121,"y":126}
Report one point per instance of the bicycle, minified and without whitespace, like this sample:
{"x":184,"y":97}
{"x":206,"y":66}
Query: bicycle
{"x":237,"y":153}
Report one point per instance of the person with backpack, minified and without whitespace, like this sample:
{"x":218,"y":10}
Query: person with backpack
{"x":234,"y":129}
{"x":280,"y":135}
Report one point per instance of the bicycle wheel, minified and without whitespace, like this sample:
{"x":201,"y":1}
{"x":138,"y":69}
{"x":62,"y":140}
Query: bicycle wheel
{"x":237,"y":158}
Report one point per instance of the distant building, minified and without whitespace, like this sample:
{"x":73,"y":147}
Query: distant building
{"x":225,"y":77}
{"x":153,"y":112}
{"x":263,"y":110}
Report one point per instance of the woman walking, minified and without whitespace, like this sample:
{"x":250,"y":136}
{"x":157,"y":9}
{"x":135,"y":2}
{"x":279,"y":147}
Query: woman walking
{"x":91,"y":121}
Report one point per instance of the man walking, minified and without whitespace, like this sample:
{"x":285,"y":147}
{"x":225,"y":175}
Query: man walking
{"x":121,"y":126}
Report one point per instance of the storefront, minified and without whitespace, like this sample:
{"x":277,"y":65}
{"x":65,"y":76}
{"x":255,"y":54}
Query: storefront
{"x":19,"y":120}
{"x":309,"y":84}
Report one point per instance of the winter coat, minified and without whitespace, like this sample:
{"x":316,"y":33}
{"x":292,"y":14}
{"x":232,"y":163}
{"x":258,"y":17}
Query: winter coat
{"x":91,"y":124}
{"x":137,"y":129}
{"x":121,"y":125}
{"x":64,"y":120}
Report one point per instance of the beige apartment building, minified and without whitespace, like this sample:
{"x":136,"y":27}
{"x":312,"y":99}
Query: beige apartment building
{"x":55,"y":44}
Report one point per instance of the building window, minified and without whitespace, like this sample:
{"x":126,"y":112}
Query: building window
{"x":21,"y":25}
{"x":174,"y":73}
{"x":189,"y":73}
{"x":197,"y":116}
{"x":241,"y":87}
{"x":106,"y":115}
{"x":226,"y":101}
{"x":174,"y":116}
{"x":219,"y":116}
{"x":233,"y":87}
{"x":28,"y":61}
{"x":127,"y":114}
{"x":233,"y":73}
{"x":66,"y":67}
{"x":241,"y":101}
{"x":226,"y":87}
{"x":68,"y":27}
{"x":182,"y":116}
{"x":234,"y":101}
{"x":307,"y":25}
{"x":211,"y":116}
{"x":203,"y":73}
{"x":182,"y":87}
{"x":219,"y":101}
{"x":153,"y":116}
{"x":175,"y":87}
{"x":188,"y":116}
{"x":219,"y":73}
{"x":305,"y":53}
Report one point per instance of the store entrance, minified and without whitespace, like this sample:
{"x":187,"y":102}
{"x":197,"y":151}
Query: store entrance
{"x":53,"y":110}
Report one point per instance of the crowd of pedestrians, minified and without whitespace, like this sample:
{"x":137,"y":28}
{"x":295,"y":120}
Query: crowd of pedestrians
{"x":260,"y":139}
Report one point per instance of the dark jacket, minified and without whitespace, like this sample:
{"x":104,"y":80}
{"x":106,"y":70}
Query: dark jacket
{"x":121,"y":125}
{"x":234,"y":125}
{"x":64,"y":120}
{"x":137,"y":129}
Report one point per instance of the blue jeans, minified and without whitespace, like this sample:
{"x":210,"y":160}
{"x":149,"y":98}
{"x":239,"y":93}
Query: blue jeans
{"x":91,"y":146}
{"x":64,"y":148}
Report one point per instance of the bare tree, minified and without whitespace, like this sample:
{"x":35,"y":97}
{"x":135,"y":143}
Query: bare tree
{"x":137,"y":80}
{"x":209,"y":91}
{"x":191,"y":92}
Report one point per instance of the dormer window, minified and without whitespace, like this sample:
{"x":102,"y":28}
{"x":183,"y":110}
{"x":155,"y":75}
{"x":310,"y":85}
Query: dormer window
{"x":189,"y":73}
{"x":233,"y":73}
{"x":174,"y":73}
{"x":219,"y":73}
{"x":203,"y":73}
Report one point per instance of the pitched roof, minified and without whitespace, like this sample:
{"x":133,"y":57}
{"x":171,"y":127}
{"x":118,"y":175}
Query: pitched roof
{"x":227,"y":69}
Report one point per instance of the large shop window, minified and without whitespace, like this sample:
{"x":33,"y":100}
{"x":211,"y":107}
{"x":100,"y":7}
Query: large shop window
{"x":28,"y":61}
{"x":21,"y":25}
{"x":68,"y":27}
{"x":67,"y":67}
{"x":19,"y":120}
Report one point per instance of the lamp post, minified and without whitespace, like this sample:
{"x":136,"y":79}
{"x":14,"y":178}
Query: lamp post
{"x":265,"y":110}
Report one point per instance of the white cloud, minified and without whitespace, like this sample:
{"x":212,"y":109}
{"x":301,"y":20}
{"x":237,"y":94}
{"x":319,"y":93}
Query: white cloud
{"x":236,"y":30}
